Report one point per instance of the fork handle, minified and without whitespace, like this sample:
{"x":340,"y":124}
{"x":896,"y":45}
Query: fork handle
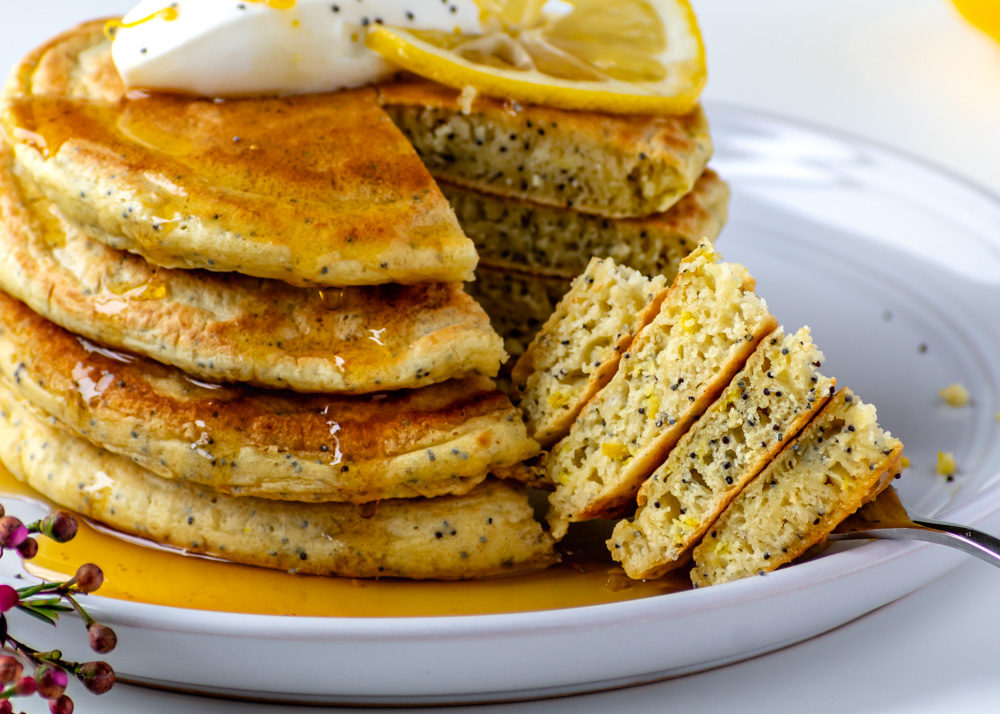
{"x":968,"y":540}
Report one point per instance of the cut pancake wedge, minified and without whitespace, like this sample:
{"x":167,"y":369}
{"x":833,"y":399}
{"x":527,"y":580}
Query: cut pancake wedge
{"x":612,"y":165}
{"x":487,"y":532}
{"x":842,"y":460}
{"x":234,"y":328}
{"x":707,"y":327}
{"x":441,"y":439}
{"x":579,"y":348}
{"x":767,"y":403}
{"x":515,"y":234}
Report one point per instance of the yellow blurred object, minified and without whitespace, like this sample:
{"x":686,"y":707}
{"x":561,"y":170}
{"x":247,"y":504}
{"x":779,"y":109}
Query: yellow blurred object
{"x":984,"y":14}
{"x":625,"y":56}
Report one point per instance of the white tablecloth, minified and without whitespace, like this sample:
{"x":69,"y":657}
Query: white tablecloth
{"x":912,"y":75}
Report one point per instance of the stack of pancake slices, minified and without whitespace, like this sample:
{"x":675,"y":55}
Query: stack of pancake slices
{"x":687,"y":405}
{"x":540,"y":191}
{"x":238,"y":327}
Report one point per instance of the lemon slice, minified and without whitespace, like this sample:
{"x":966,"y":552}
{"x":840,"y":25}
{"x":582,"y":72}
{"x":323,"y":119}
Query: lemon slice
{"x":619,"y":56}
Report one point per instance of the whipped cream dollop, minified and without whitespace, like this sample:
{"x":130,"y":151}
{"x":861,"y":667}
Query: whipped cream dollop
{"x":222,"y":48}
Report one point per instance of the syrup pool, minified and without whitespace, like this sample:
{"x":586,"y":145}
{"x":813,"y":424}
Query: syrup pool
{"x":138,"y":571}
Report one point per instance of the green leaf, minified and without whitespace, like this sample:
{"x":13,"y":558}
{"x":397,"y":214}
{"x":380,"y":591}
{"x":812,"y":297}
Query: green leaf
{"x":41,"y":616}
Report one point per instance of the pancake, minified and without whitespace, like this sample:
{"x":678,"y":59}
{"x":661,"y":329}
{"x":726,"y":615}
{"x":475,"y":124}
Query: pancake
{"x":489,"y":531}
{"x":232,"y":328}
{"x":840,"y":461}
{"x":518,"y":303}
{"x":578,"y":349}
{"x":437,"y":440}
{"x":514,"y":234}
{"x":312,"y":189}
{"x":707,"y":327}
{"x":768,"y":402}
{"x":616,"y":166}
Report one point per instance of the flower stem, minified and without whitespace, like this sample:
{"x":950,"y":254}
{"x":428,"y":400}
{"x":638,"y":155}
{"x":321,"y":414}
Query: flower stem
{"x":87,"y":619}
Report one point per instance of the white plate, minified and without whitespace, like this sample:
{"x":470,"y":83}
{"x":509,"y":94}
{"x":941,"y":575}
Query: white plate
{"x":896,"y":267}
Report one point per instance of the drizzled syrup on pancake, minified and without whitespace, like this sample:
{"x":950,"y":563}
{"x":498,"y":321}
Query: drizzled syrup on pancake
{"x":325,"y":179}
{"x":141,"y":572}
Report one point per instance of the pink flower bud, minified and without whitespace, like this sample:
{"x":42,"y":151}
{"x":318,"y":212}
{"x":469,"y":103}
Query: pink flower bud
{"x":51,"y":681}
{"x":10,"y":669}
{"x":60,"y":527}
{"x":8,"y":598}
{"x":28,"y":548}
{"x":62,"y":705}
{"x":25,"y":687}
{"x":102,"y":638}
{"x":97,"y":677}
{"x":12,"y":532}
{"x":88,"y":578}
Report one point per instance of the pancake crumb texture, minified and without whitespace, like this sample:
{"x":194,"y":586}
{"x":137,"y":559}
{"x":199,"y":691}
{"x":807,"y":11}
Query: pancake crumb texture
{"x":557,"y":242}
{"x":764,"y":407}
{"x":441,"y":439}
{"x":842,"y":460}
{"x":578,"y":349}
{"x":518,"y":304}
{"x":610,"y":165}
{"x":228,"y":327}
{"x":709,"y":324}
{"x":489,"y":531}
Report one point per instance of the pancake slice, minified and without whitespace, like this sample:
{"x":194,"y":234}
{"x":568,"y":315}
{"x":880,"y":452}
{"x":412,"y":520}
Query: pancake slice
{"x":487,"y":532}
{"x":515,"y":234}
{"x":228,"y":327}
{"x":616,"y":166}
{"x":768,"y":402}
{"x":313,"y":189}
{"x":841,"y":461}
{"x":441,"y":439}
{"x":709,"y":324}
{"x":579,"y":348}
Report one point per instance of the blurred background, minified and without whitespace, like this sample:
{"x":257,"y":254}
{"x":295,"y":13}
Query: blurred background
{"x":913,"y":74}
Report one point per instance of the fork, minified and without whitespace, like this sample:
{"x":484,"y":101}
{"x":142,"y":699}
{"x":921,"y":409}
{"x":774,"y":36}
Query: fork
{"x":886,"y":517}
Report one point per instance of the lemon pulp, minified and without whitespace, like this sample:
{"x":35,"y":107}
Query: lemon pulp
{"x":628,"y":56}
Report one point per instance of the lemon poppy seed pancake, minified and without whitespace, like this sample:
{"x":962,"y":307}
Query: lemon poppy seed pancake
{"x":312,"y":189}
{"x":839,"y":462}
{"x":522,"y":235}
{"x":605,"y":164}
{"x":234,"y":328}
{"x":767,"y":403}
{"x":706,"y":328}
{"x":578,"y":349}
{"x":489,"y":531}
{"x":436,"y":440}
{"x":518,"y":304}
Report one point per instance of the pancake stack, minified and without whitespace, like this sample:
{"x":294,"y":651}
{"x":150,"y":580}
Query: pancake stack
{"x":541,"y":190}
{"x":238,"y":327}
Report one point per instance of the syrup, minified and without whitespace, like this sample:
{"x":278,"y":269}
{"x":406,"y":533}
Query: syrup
{"x":169,"y":14}
{"x":317,"y":180}
{"x":137,"y":571}
{"x":277,"y":4}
